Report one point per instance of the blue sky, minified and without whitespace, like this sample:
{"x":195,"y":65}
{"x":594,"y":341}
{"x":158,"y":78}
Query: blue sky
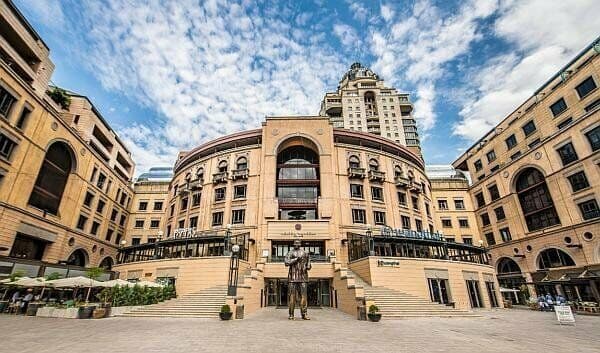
{"x":169,"y":75}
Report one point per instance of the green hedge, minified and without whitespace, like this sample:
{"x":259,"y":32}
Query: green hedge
{"x":136,"y":295}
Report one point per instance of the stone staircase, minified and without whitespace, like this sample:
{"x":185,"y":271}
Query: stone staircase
{"x":394,"y":304}
{"x":203,"y":304}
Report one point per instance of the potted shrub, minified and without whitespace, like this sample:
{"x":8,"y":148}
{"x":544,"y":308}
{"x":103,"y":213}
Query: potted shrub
{"x":85,"y":311}
{"x":105,"y":297}
{"x":374,"y":314}
{"x":225,"y":313}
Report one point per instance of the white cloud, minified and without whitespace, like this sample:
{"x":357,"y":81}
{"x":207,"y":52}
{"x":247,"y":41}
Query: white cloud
{"x":48,"y":12}
{"x":387,"y":12}
{"x":359,"y":12}
{"x":346,"y":34}
{"x":546,"y":35}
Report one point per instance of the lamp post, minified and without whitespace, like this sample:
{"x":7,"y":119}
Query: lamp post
{"x":233,"y":270}
{"x":371,"y":242}
{"x":121,"y":245}
{"x":159,"y":237}
{"x":227,"y":240}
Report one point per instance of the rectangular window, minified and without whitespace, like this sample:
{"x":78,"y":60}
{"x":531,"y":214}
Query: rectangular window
{"x":356,"y":191}
{"x":402,"y":198}
{"x":494,"y":168}
{"x":172,"y":210}
{"x":589,"y":209}
{"x":405,"y":222}
{"x":136,"y":241}
{"x":463,"y":223}
{"x":499,"y":211}
{"x":578,"y":181}
{"x":89,"y":197}
{"x":109,"y":233}
{"x":184,"y":203}
{"x":154,"y":223}
{"x":181,"y":223}
{"x":100,"y":206}
{"x":443,"y":204}
{"x":122,"y":220}
{"x":467,"y":240}
{"x":94,"y":229}
{"x":94,"y":172}
{"x":515,"y":155}
{"x":534,"y":143}
{"x":427,"y":211}
{"x":6,"y":146}
{"x":494,"y":193}
{"x":376,"y":193}
{"x":143,"y":206}
{"x":217,"y":218}
{"x":415,"y":203}
{"x":238,"y":216}
{"x":567,"y":153}
{"x":592,"y":106}
{"x":447,"y":223}
{"x":511,"y":141}
{"x":220,"y":194}
{"x":158,"y":206}
{"x":359,"y":216}
{"x":529,"y":128}
{"x":81,"y":222}
{"x":193,"y":222}
{"x":196,"y":199}
{"x":491,"y":156}
{"x":505,"y":234}
{"x":101,"y":180}
{"x":151,"y":240}
{"x":23,"y":118}
{"x":450,"y":239}
{"x":480,"y":200}
{"x":478,"y":165}
{"x":565,"y":123}
{"x":418,"y":225}
{"x":139,"y":223}
{"x":594,"y":138}
{"x":239,"y":191}
{"x":558,"y":107}
{"x":6,"y":102}
{"x":113,"y":215}
{"x":489,"y":238}
{"x":585,"y":87}
{"x":459,"y":204}
{"x":485,"y":219}
{"x":379,"y":217}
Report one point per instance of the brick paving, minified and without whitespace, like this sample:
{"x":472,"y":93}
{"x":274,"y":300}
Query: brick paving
{"x":328,"y":331}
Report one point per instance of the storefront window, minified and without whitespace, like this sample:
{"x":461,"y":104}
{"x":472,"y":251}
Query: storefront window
{"x":26,"y":247}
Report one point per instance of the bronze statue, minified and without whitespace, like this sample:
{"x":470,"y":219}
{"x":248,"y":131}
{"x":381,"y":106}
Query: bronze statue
{"x":299,"y":263}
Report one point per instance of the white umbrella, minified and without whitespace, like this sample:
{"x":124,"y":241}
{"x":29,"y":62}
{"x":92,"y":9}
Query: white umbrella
{"x":148,"y":284}
{"x":30,"y":282}
{"x":117,"y":282}
{"x":76,"y":282}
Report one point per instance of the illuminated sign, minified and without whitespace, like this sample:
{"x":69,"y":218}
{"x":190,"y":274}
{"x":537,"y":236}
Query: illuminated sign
{"x":413,"y":234}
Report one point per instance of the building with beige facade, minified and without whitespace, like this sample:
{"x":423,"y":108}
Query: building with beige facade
{"x":361,"y":205}
{"x":537,"y":184}
{"x":63,"y":200}
{"x":362,"y":102}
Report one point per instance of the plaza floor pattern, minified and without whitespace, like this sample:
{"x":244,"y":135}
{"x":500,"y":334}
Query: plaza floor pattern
{"x":328,"y":331}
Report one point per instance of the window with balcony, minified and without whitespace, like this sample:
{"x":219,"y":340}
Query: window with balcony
{"x":242,"y":163}
{"x":593,"y":137}
{"x":359,"y":216}
{"x":585,"y":87}
{"x":222,"y":168}
{"x":558,"y":107}
{"x":567,"y":153}
{"x":578,"y":181}
{"x":356,"y":191}
{"x":373,"y":165}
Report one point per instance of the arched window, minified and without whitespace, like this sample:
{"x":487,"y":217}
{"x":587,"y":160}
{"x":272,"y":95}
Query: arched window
{"x":107,"y":263}
{"x":78,"y":257}
{"x":52,"y":178}
{"x":535,"y":199}
{"x":398,"y":173}
{"x":188,"y":177}
{"x":354,"y":162}
{"x":242,"y":163}
{"x":297,"y":183}
{"x":554,"y":257}
{"x":373,"y":165}
{"x":223,"y":167}
{"x":508,"y":265}
{"x":200,"y":173}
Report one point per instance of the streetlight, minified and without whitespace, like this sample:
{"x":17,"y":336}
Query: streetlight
{"x":227,"y":239}
{"x":370,"y":240}
{"x":122,"y":244}
{"x":159,"y":237}
{"x":233,"y":270}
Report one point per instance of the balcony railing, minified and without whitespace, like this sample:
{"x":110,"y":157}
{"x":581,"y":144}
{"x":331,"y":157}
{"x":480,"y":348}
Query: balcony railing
{"x":358,"y":173}
{"x":375,"y":175}
{"x":239,"y":174}
{"x":220,"y":177}
{"x":401,"y":181}
{"x":195,"y":184}
{"x":313,"y":258}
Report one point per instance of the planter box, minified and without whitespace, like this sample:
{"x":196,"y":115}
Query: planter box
{"x":46,"y":311}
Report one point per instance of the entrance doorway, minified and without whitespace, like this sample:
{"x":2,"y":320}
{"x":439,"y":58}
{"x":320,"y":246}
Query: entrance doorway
{"x":474,"y":294}
{"x":318,"y":292}
{"x":438,"y":290}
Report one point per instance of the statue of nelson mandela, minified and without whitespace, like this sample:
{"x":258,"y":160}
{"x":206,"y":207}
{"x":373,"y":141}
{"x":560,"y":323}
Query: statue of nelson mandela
{"x":298,"y":262}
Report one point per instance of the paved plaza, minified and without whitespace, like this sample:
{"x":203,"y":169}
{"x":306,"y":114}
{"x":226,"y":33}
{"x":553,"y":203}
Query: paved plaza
{"x":329,"y":331}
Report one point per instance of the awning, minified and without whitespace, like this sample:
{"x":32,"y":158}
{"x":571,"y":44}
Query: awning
{"x":436,"y":273}
{"x":565,"y":275}
{"x":37,"y":232}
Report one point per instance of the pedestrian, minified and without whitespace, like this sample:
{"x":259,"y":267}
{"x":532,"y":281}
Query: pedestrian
{"x":26,"y":299}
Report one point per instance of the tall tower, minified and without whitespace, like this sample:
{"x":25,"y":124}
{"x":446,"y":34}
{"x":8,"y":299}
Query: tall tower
{"x":362,"y":102}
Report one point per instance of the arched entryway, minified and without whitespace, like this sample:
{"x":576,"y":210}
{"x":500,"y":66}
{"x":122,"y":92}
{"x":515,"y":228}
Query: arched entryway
{"x":107,"y":263}
{"x":79,"y":258}
{"x":510,"y":277}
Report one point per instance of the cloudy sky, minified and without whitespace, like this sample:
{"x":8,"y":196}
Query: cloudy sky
{"x":169,"y":75}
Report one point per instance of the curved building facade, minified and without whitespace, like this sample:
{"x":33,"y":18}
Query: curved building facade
{"x":360,"y":203}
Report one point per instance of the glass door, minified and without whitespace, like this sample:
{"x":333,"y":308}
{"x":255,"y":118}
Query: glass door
{"x":492,"y":294}
{"x":438,"y":290}
{"x":325,"y":292}
{"x":474,"y":296}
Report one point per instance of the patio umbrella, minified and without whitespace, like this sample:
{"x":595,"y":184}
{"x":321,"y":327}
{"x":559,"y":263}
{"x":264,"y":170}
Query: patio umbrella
{"x":76,"y":282}
{"x":8,"y":282}
{"x":148,"y":284}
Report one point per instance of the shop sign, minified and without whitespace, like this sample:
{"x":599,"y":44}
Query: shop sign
{"x":388,"y":263}
{"x":184,"y":233}
{"x":414,"y":234}
{"x":564,"y":314}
